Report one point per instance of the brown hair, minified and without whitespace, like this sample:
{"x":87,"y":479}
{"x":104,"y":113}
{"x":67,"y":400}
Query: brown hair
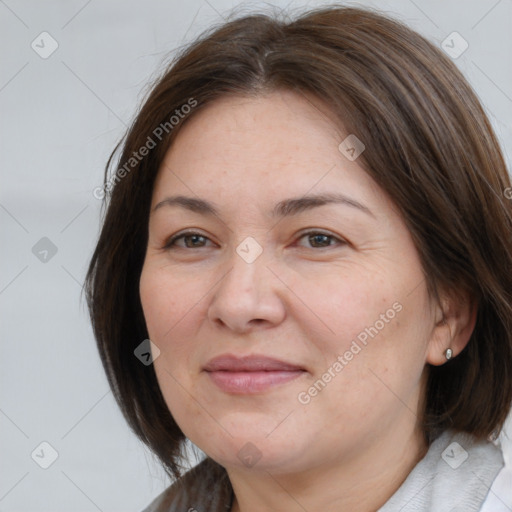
{"x":429,"y":145}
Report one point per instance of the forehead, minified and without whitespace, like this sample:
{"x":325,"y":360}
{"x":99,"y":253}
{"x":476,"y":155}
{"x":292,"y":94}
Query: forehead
{"x":278,"y":144}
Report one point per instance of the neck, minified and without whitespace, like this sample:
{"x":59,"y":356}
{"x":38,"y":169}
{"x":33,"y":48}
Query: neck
{"x":361,"y":484}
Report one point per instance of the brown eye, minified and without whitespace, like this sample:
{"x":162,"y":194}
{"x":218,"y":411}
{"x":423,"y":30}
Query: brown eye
{"x":320,"y":240}
{"x":191,"y":241}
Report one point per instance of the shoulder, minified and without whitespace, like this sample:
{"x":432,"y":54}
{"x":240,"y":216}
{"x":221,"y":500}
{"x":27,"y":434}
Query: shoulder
{"x":457,"y":473}
{"x":205,"y":487}
{"x":499,"y":498}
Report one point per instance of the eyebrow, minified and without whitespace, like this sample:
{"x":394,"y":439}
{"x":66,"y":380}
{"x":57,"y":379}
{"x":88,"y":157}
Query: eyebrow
{"x":284,"y":208}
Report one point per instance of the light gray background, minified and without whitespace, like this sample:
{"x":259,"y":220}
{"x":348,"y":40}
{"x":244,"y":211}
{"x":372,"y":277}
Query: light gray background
{"x":60,"y":118}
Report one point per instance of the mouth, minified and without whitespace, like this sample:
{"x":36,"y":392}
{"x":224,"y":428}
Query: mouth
{"x":250,"y":374}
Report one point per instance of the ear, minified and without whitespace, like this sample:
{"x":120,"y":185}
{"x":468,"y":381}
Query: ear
{"x":455,"y":319}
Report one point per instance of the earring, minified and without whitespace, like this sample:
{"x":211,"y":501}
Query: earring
{"x":448,"y":353}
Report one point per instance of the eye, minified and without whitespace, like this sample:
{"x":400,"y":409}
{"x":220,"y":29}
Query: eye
{"x":191,"y":239}
{"x":194,"y":240}
{"x":318,"y":239}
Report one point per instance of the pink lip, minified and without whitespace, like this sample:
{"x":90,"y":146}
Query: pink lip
{"x":250,"y":374}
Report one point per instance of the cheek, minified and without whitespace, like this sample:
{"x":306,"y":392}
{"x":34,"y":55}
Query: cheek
{"x":377,"y":337}
{"x":168,"y":301}
{"x":342,"y":304}
{"x":171,"y":305}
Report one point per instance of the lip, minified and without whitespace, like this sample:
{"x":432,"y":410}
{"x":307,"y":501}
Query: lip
{"x":250,"y":374}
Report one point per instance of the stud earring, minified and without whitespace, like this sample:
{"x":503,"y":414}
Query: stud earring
{"x":448,"y":353}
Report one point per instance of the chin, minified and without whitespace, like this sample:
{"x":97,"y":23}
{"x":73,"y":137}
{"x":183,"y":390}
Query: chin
{"x":254,"y":448}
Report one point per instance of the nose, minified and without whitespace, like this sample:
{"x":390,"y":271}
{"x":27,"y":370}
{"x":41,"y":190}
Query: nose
{"x":249,"y":296}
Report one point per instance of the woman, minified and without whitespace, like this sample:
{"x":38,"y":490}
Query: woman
{"x":309,"y":222}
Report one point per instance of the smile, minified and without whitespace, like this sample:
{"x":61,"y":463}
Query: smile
{"x":250,"y":374}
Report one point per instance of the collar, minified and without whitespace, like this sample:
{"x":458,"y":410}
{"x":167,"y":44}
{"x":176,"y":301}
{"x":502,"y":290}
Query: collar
{"x":454,"y":476}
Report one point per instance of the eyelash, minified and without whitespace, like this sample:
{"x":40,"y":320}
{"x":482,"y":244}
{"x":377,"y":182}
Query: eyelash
{"x":171,"y":243}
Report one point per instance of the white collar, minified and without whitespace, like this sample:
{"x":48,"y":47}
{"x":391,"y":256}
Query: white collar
{"x":454,"y":476}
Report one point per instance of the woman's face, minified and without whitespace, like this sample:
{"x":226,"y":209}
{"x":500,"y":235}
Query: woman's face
{"x":293,"y":329}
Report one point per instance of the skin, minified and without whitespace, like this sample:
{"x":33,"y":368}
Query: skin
{"x":303,"y":300}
